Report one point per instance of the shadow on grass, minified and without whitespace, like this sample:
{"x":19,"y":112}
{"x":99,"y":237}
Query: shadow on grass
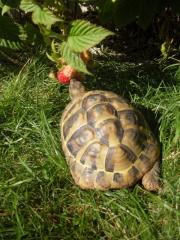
{"x":127,"y":78}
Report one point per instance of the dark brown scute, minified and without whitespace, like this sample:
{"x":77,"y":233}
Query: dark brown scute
{"x":109,"y":163}
{"x":99,"y":110}
{"x":103,"y":138}
{"x":90,"y":156}
{"x":79,"y":139}
{"x":94,"y":167}
{"x":73,"y":148}
{"x":82,"y":132}
{"x":138,"y":137}
{"x":130,"y":155}
{"x":107,"y":127}
{"x":118,"y":178}
{"x":68,"y":124}
{"x":150,"y":147}
{"x":83,"y":159}
{"x":92,"y":99}
{"x":132,"y":117}
{"x":102,"y":180}
{"x":152,"y":150}
{"x":133,"y":173}
{"x":100,"y":175}
{"x":144,"y":158}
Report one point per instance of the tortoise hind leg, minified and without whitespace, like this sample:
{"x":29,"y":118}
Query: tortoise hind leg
{"x":151,"y":180}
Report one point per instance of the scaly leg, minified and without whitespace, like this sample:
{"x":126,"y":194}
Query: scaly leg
{"x":151,"y":179}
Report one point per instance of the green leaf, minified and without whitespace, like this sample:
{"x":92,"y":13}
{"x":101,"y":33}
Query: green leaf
{"x":5,"y":9}
{"x":56,"y":50}
{"x":50,"y":57}
{"x":40,"y":15}
{"x":45,"y":17}
{"x":54,"y":35}
{"x":55,"y":47}
{"x":84,"y":35}
{"x":28,"y":6}
{"x":10,"y":44}
{"x":73,"y":58}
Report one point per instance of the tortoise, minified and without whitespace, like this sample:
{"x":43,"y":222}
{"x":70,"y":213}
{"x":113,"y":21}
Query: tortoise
{"x":107,"y":142}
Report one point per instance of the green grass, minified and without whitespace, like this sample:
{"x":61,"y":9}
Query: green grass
{"x":38,"y":199}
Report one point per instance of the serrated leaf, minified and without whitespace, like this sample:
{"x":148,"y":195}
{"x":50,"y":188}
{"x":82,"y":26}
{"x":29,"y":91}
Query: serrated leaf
{"x":73,"y":58}
{"x":84,"y":35}
{"x":28,"y":6}
{"x":5,"y":9}
{"x":55,"y":35}
{"x":10,"y":44}
{"x":39,"y":15}
{"x":44,"y":16}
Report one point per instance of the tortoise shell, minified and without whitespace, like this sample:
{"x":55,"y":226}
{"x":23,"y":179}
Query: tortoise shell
{"x":107,"y":142}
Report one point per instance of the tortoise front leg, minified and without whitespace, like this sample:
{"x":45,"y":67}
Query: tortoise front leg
{"x":151,"y":179}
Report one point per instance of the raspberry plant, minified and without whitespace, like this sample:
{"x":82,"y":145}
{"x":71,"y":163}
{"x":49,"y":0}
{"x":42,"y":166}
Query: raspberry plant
{"x":82,"y":35}
{"x":47,"y":21}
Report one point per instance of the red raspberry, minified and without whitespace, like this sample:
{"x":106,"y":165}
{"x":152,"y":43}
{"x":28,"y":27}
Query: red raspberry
{"x":62,"y":78}
{"x":66,"y":74}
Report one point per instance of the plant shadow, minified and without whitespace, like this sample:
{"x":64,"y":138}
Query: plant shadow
{"x":126,"y":78}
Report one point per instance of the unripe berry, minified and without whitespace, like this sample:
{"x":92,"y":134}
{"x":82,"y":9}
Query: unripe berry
{"x":86,"y":56}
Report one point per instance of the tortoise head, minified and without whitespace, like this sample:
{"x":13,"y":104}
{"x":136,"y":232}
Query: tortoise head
{"x":76,"y":89}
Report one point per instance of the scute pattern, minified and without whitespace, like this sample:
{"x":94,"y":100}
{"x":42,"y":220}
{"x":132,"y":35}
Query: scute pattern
{"x":129,"y":154}
{"x":91,"y":100}
{"x":79,"y":139}
{"x":131,"y":117}
{"x":100,"y":112}
{"x":106,"y":141}
{"x":109,"y":132}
